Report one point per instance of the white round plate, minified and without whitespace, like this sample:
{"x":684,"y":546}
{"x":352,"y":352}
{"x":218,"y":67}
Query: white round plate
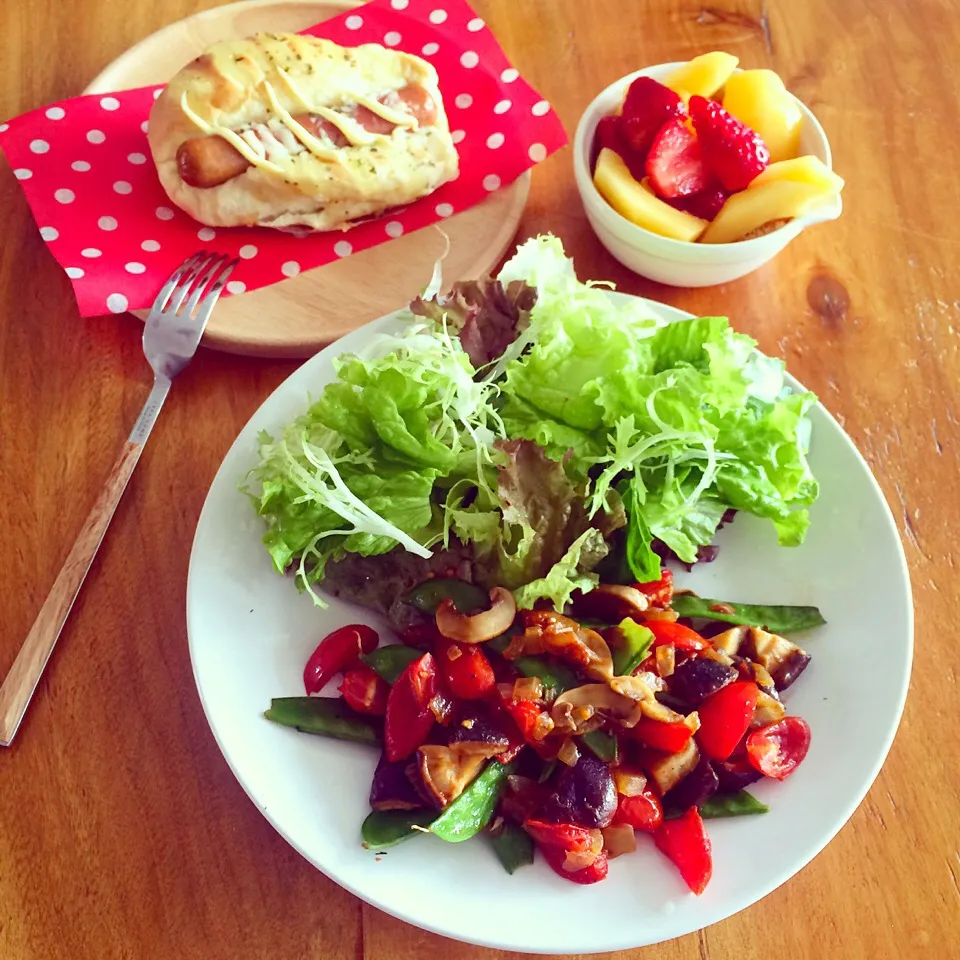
{"x":251,"y":633}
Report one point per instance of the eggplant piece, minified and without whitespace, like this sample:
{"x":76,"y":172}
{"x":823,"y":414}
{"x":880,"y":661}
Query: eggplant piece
{"x":481,"y":727}
{"x":696,"y":679}
{"x":790,"y":669}
{"x":583,"y":794}
{"x":774,"y":653}
{"x":695,"y":788}
{"x":734,"y":775}
{"x":392,"y":789}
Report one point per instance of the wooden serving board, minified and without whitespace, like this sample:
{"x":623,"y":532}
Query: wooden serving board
{"x":296,"y":317}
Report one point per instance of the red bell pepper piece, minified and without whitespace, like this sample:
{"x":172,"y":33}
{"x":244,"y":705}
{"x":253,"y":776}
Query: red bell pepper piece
{"x":597,"y":871}
{"x":337,"y":651}
{"x":683,"y":638}
{"x":658,"y":592}
{"x":465,"y":669}
{"x":725,"y":717}
{"x":686,"y":843}
{"x":566,"y":836}
{"x":365,"y":690}
{"x":642,"y":812}
{"x":526,"y":715}
{"x":409,"y":718}
{"x":777,"y":749}
{"x":669,"y":736}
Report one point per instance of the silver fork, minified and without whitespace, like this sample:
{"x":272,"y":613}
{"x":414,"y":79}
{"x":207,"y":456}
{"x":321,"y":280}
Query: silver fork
{"x":170,"y":338}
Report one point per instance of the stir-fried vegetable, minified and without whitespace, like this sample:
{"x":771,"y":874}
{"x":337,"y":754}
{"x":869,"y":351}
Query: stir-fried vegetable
{"x":327,"y":716}
{"x":777,"y":619}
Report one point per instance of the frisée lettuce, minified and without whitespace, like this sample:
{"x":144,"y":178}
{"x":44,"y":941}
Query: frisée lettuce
{"x":536,"y":424}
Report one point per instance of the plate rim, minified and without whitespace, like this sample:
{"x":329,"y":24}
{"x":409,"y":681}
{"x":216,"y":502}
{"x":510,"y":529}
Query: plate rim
{"x":778,"y":877}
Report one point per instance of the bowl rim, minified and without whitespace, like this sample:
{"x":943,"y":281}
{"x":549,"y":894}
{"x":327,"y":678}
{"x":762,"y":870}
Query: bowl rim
{"x":583,"y":139}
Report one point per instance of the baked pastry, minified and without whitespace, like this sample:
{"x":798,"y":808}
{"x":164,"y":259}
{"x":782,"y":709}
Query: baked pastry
{"x":286,"y":130}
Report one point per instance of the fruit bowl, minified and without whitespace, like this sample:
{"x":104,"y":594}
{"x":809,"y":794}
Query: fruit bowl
{"x":677,"y":262}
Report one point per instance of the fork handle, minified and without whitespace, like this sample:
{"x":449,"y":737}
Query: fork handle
{"x":24,"y":675}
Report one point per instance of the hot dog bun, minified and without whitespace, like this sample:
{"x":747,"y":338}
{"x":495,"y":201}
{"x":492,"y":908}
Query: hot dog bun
{"x":319,"y":135}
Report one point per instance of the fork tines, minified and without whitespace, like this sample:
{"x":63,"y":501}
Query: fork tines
{"x":201,"y":276}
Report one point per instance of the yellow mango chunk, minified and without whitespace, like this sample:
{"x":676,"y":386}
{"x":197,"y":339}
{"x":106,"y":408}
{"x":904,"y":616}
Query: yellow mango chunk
{"x":702,"y":76}
{"x":759,"y":99}
{"x":750,"y":209}
{"x":808,"y":169}
{"x":631,"y":200}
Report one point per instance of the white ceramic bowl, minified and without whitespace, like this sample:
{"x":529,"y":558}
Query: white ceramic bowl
{"x":676,"y":262}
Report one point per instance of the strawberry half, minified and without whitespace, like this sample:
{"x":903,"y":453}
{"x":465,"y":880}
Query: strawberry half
{"x":674,"y":165}
{"x":732,"y":152}
{"x":706,"y":204}
{"x":647,"y":106}
{"x":610,"y":135}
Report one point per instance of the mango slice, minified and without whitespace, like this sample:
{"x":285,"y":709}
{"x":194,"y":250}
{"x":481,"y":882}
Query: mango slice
{"x":762,"y":203}
{"x":806,"y":169}
{"x":759,"y":99}
{"x":704,"y":75}
{"x":630,"y":200}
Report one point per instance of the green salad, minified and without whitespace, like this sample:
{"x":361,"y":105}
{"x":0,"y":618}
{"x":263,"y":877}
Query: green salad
{"x":533,"y":432}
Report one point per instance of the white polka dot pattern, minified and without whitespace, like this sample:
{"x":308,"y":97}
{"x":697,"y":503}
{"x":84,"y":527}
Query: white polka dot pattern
{"x":429,"y":49}
{"x":150,"y":246}
{"x":469,"y":59}
{"x":206,"y":233}
{"x":117,"y":303}
{"x":96,"y":136}
{"x":39,"y":146}
{"x":81,"y":166}
{"x":290,"y":269}
{"x":55,"y":113}
{"x":248,"y":251}
{"x":107,"y":223}
{"x":49,"y":233}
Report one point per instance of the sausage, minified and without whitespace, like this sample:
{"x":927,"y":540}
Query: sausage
{"x":205,"y":162}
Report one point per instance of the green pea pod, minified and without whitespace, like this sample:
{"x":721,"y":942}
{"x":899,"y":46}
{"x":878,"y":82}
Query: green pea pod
{"x":472,"y":810}
{"x":603,"y":744}
{"x":631,"y":644}
{"x":466,"y":597}
{"x":512,"y":845}
{"x":547,"y":771}
{"x":386,"y":828}
{"x":391,"y":661}
{"x":556,"y":677}
{"x":326,"y":716}
{"x":738,"y":804}
{"x":776,"y":619}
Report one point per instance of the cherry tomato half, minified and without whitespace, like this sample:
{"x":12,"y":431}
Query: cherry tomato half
{"x":658,"y":592}
{"x":365,"y":690}
{"x":597,"y":871}
{"x":642,"y":812}
{"x":671,"y":737}
{"x":336,"y":652}
{"x":777,"y":749}
{"x":567,"y":836}
{"x":465,"y":669}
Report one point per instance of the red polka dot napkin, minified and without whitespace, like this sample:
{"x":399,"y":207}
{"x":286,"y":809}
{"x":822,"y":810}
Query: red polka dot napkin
{"x":85,"y":167}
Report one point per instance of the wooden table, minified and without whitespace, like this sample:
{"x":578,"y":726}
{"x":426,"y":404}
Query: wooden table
{"x":124,"y":833}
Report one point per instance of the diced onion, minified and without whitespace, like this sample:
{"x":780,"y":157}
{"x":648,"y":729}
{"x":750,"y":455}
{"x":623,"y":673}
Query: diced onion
{"x":629,"y":783}
{"x":582,"y":859}
{"x":454,"y":652}
{"x":528,"y":688}
{"x":619,"y":839}
{"x":568,"y":753}
{"x":666,"y":660}
{"x":543,"y":726}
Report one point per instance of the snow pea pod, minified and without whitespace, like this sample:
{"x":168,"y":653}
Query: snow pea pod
{"x":391,"y":661}
{"x":738,"y":804}
{"x":556,"y":677}
{"x":512,"y":845}
{"x":472,"y":810}
{"x":775,"y":618}
{"x":466,"y":597}
{"x":326,"y":716}
{"x":385,"y":828}
{"x":603,"y":744}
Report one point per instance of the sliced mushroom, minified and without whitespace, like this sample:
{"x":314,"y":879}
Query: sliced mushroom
{"x":654,"y":710}
{"x":584,"y":708}
{"x":668,"y":771}
{"x":481,"y":626}
{"x":611,"y":603}
{"x":636,"y":688}
{"x":447,"y":771}
{"x":549,"y":632}
{"x":729,"y":641}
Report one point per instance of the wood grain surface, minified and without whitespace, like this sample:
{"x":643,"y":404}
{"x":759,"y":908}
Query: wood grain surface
{"x":124,"y":834}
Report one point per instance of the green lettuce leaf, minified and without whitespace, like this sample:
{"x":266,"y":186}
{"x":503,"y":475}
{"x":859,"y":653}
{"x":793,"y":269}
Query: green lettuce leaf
{"x":573,"y":571}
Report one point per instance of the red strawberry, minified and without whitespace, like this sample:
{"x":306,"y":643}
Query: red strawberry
{"x":706,"y":204}
{"x":674,"y":165}
{"x":733,"y":152}
{"x":647,"y":106}
{"x":609,"y":135}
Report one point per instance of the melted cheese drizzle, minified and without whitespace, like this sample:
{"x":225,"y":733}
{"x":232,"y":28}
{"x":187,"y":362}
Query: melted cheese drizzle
{"x":249,"y":143}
